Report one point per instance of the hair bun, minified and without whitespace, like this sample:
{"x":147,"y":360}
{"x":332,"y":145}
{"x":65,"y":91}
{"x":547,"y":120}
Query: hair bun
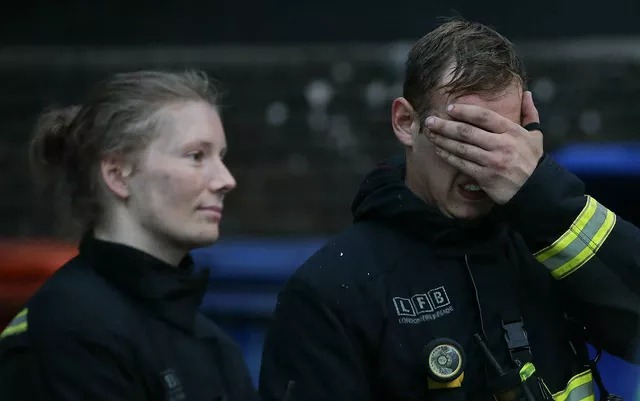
{"x":52,"y":134}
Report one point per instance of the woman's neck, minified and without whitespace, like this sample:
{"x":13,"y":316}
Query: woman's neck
{"x":136,"y":237}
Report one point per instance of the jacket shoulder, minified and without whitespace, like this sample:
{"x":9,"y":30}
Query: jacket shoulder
{"x":349,"y":265}
{"x":76,"y":300}
{"x":360,"y":251}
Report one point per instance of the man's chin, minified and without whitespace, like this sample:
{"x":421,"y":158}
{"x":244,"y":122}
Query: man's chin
{"x":471,"y":212}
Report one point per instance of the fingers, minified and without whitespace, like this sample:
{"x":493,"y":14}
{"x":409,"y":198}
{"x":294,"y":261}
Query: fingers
{"x":529,"y":111}
{"x":479,"y":117}
{"x":465,"y":166}
{"x":461,"y":149}
{"x":461,"y":132}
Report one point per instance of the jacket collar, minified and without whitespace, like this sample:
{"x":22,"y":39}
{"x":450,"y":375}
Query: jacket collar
{"x":384,"y":197}
{"x":172,"y":293}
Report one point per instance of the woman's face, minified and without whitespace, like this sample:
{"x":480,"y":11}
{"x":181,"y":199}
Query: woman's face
{"x":177,"y":190}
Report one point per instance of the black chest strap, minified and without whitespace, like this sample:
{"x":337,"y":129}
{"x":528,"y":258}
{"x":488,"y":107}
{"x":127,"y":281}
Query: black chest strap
{"x":504,"y":340}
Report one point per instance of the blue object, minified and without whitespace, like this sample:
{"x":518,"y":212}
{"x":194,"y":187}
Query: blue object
{"x":256,"y":259}
{"x":620,"y":377}
{"x":600,"y":158}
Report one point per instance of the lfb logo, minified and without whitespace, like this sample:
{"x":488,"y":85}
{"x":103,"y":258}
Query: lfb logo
{"x":422,"y":303}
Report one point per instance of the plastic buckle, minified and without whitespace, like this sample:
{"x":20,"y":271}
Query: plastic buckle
{"x":516,"y":337}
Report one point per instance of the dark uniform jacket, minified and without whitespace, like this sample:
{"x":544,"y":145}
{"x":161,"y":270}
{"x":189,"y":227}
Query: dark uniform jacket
{"x":115,"y":323}
{"x":353,"y":322}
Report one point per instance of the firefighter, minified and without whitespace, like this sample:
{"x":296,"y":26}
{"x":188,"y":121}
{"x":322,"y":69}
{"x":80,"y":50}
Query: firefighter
{"x":474,"y":263}
{"x":142,"y":164}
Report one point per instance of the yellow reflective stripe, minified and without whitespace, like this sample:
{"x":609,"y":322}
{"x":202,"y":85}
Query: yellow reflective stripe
{"x":22,"y":313}
{"x":589,"y":250}
{"x":18,"y":325}
{"x":581,"y":242}
{"x":9,"y":331}
{"x":579,"y":388}
{"x":570,"y":235}
{"x":527,"y":371}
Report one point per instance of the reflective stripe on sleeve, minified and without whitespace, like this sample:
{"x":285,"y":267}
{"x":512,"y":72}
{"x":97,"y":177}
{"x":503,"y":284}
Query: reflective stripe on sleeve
{"x":579,"y":388}
{"x":581,"y":242}
{"x":18,"y":325}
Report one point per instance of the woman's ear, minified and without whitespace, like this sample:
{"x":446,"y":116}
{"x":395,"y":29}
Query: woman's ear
{"x":116,"y":171}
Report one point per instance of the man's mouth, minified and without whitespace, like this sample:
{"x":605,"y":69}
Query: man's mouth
{"x":472,"y":187}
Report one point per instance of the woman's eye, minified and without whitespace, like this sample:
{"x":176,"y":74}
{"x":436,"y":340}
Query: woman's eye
{"x":197,"y":156}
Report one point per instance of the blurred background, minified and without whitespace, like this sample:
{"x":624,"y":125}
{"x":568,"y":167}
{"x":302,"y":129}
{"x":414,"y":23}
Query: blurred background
{"x":308,"y":88}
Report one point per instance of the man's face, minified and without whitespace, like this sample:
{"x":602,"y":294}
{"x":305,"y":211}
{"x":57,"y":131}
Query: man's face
{"x":441,"y":185}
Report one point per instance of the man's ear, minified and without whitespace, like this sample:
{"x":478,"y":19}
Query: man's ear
{"x":116,"y":171}
{"x":403,"y":121}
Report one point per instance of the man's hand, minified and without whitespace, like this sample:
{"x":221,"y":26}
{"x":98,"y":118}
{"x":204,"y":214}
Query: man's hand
{"x":498,"y":153}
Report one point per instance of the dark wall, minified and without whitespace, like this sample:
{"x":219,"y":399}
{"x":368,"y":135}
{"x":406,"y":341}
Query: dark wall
{"x":162,"y":22}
